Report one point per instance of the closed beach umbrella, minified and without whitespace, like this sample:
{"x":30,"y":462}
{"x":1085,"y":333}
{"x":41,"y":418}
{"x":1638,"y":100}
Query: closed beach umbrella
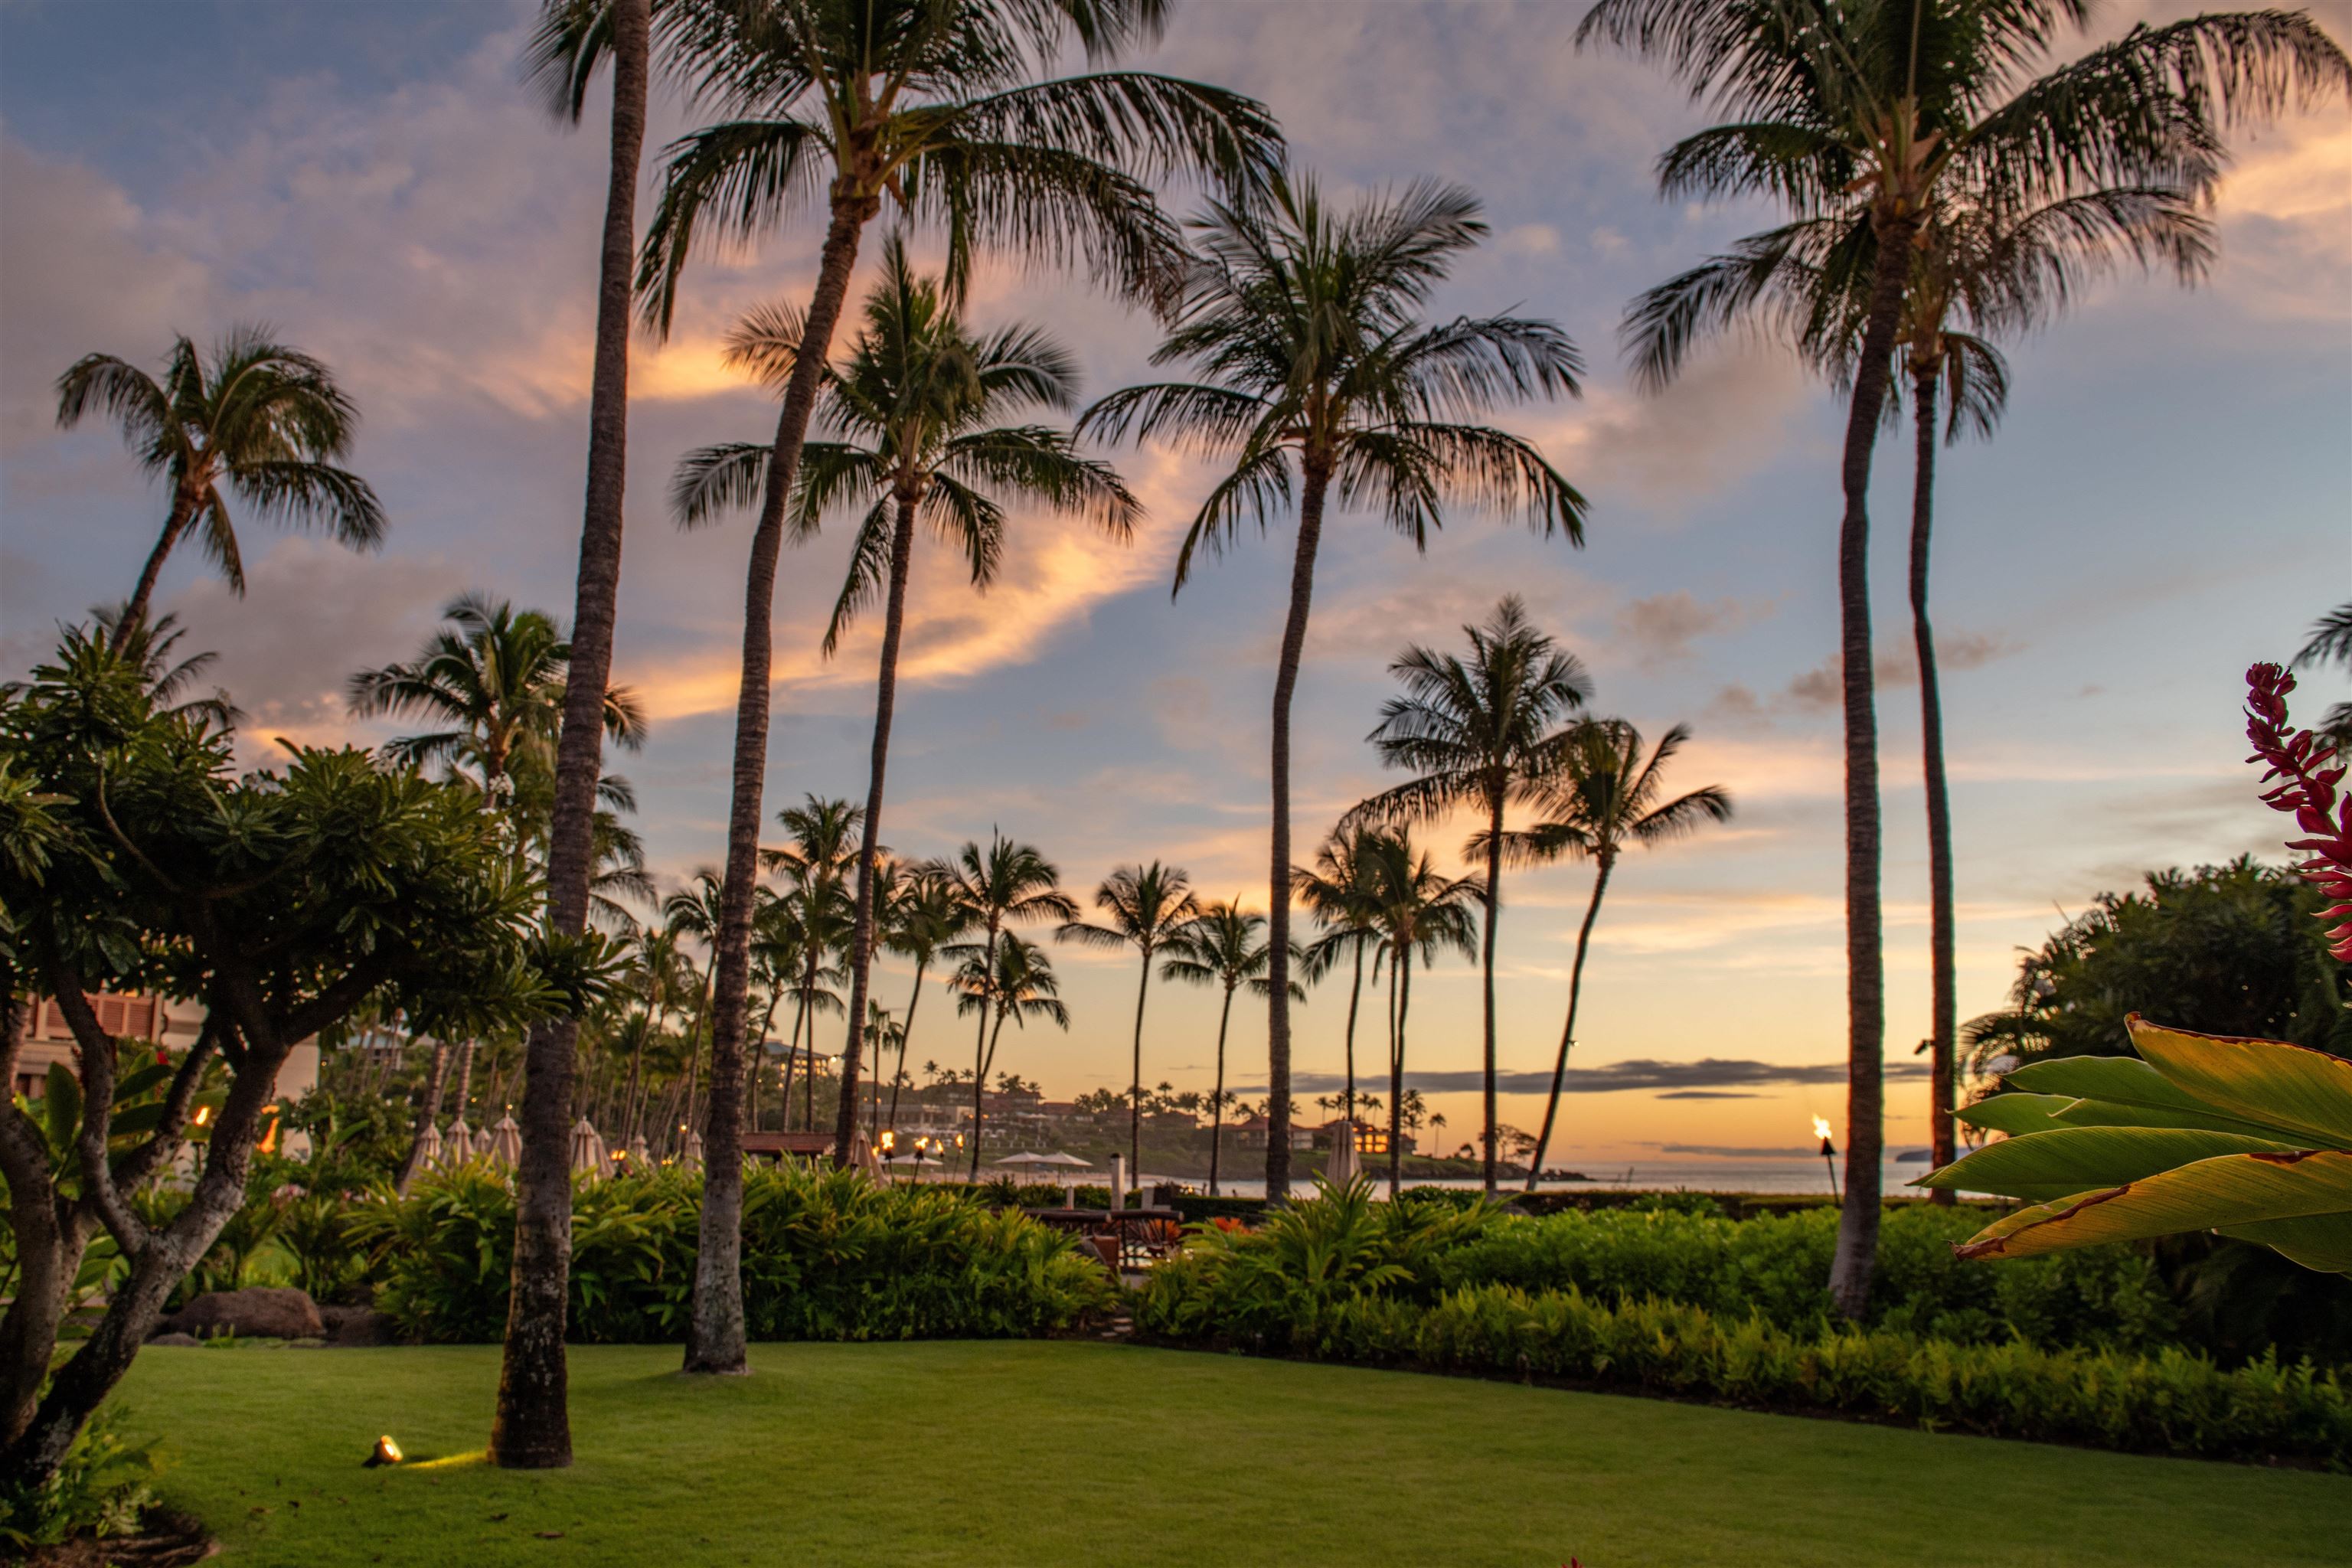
{"x":692,"y":1154}
{"x":460,"y":1146}
{"x":504,"y":1143}
{"x":428,"y":1146}
{"x":1345,"y":1164}
{"x":641,"y":1159}
{"x":588,"y":1156}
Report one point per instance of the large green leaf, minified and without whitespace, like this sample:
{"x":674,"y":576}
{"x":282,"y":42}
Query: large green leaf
{"x":2109,"y":1113}
{"x":2042,"y":1166}
{"x":2306,"y":1091}
{"x":2231,"y":1192}
{"x":2015,"y":1113}
{"x":2321,"y":1242}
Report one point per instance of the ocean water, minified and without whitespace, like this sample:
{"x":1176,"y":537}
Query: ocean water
{"x":1656,"y":1175}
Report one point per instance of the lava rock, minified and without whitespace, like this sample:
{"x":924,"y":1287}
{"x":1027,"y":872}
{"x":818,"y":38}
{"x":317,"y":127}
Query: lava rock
{"x":258,"y":1312}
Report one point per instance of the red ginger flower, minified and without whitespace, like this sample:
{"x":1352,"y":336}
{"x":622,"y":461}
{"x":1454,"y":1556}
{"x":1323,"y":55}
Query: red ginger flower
{"x":2311,"y":792}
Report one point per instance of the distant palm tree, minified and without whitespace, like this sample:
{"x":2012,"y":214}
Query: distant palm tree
{"x":692,"y":913}
{"x":1007,"y":883}
{"x":947,"y":106}
{"x":816,"y":913}
{"x":2331,"y":643}
{"x":493,"y":681}
{"x":916,"y":400}
{"x":1019,"y":985}
{"x":1480,"y":732}
{"x":1308,"y":326}
{"x":1879,"y":109}
{"x":1148,"y":907}
{"x":1339,"y":892}
{"x":2000,"y":273}
{"x":1418,"y":913}
{"x":1600,"y":798}
{"x":1221,"y":946}
{"x":149,"y":646}
{"x":260,"y":422}
{"x":924,"y":918}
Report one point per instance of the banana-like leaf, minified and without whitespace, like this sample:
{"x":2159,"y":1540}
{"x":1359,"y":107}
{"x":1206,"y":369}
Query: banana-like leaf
{"x":2305,"y":1091}
{"x":2320,"y":1242}
{"x":2127,"y":1079}
{"x":2230,"y":1193}
{"x":2109,"y":1113}
{"x":2040,"y":1167}
{"x":2015,"y":1113}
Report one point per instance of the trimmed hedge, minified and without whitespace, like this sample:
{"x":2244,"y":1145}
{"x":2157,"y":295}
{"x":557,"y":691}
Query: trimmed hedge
{"x":825,"y":1257}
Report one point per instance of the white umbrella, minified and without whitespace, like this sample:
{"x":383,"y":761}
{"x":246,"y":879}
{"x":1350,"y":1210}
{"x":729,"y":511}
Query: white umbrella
{"x":862,"y":1157}
{"x":692,"y":1154}
{"x":641,"y":1159}
{"x":1345,"y":1164}
{"x":504,"y":1143}
{"x":1070,"y":1159}
{"x":1025,"y":1159}
{"x":428,"y":1146}
{"x":588,"y":1153}
{"x":460,"y":1145}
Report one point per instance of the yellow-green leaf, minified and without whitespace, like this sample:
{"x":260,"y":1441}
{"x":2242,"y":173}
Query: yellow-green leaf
{"x":2305,"y":1091}
{"x":2042,"y":1167}
{"x":2015,"y":1113}
{"x":2321,"y":1242}
{"x":2226,"y":1192}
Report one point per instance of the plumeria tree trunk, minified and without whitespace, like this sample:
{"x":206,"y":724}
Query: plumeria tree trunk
{"x":1944,"y":1005}
{"x":715,"y":1330}
{"x":1865,"y":1106}
{"x":1316,"y":470}
{"x":1567,"y":1030}
{"x":861,"y":938}
{"x":1217,"y":1100}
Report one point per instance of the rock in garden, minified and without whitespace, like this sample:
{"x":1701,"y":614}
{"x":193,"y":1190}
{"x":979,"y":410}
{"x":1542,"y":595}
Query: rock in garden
{"x":258,"y":1313}
{"x":174,"y":1339}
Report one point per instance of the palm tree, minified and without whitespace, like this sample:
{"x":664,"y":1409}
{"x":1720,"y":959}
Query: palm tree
{"x":533,"y":1426}
{"x":2331,"y":643}
{"x":494,"y":683}
{"x":924,"y":918}
{"x":261,"y":422}
{"x":1600,"y":797}
{"x":1220,"y":946}
{"x":1479,"y":732}
{"x":1875,"y":108}
{"x":2003,"y":274}
{"x":813,"y":917}
{"x":946,"y":106}
{"x":149,"y":646}
{"x":692,"y":913}
{"x":1007,"y":883}
{"x":915,"y":402}
{"x":1148,"y":907}
{"x":1018,"y":983}
{"x":1307,"y":327}
{"x":1337,"y":891}
{"x":1418,"y":913}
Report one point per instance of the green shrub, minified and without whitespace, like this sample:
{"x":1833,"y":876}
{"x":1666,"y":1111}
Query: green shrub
{"x":826,"y":1256}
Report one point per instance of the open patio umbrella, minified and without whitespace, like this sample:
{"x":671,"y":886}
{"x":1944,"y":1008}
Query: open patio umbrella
{"x":1025,"y":1158}
{"x":1071,"y":1161}
{"x":504,"y":1143}
{"x":588,"y":1153}
{"x":459,"y":1148}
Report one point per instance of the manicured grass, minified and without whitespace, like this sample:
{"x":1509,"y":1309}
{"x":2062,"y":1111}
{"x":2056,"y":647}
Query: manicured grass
{"x":1030,"y":1453}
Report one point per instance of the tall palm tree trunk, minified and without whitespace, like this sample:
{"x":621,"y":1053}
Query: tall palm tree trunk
{"x":980,"y":1045}
{"x":1135,"y":1081}
{"x":183,"y":512}
{"x":760,"y":1059}
{"x":715,"y":1333}
{"x":631,"y":1110}
{"x":801,"y":1020}
{"x":1316,"y":472}
{"x":980,"y":1079}
{"x":1355,"y":996}
{"x":532,"y":1425}
{"x":1567,"y":1030}
{"x":1403,"y":979}
{"x":428,"y":1112}
{"x":1944,"y":1005}
{"x":1487,"y":963}
{"x":904,"y":1034}
{"x":1217,"y":1100}
{"x":464,"y":1077}
{"x":1866,"y":985}
{"x":861,"y":937}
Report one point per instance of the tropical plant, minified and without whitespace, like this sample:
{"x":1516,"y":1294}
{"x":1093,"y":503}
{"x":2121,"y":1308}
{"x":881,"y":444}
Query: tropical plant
{"x":1879,"y":110}
{"x":1307,"y":325}
{"x":924,"y":917}
{"x":1148,"y":909}
{"x":1480,"y":733}
{"x":1600,"y":798}
{"x":262,"y":422}
{"x":691,"y":913}
{"x":1223,"y":946}
{"x":151,"y":645}
{"x":813,"y":922}
{"x":1337,"y":891}
{"x":1417,"y":913}
{"x":916,"y":403}
{"x":1007,"y":883}
{"x":947,"y":106}
{"x":1019,"y":984}
{"x":2249,"y":1138}
{"x":2331,"y":643}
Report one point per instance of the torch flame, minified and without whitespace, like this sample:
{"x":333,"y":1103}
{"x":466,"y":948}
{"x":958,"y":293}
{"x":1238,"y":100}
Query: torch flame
{"x":1821,"y":1127}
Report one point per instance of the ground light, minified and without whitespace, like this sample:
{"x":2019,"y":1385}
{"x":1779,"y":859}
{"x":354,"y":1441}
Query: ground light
{"x":386,"y":1452}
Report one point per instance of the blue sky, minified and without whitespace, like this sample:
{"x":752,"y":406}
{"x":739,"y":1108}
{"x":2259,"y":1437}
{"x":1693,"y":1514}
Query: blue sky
{"x":2170,"y":498}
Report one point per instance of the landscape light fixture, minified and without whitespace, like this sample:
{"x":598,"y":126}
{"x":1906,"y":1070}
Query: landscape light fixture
{"x":386,"y":1452}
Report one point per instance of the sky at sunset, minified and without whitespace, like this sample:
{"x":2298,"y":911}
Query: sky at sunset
{"x":2169,"y":499}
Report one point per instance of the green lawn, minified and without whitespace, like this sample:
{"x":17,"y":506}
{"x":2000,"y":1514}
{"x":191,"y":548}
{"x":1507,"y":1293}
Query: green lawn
{"x":1028,"y":1453}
